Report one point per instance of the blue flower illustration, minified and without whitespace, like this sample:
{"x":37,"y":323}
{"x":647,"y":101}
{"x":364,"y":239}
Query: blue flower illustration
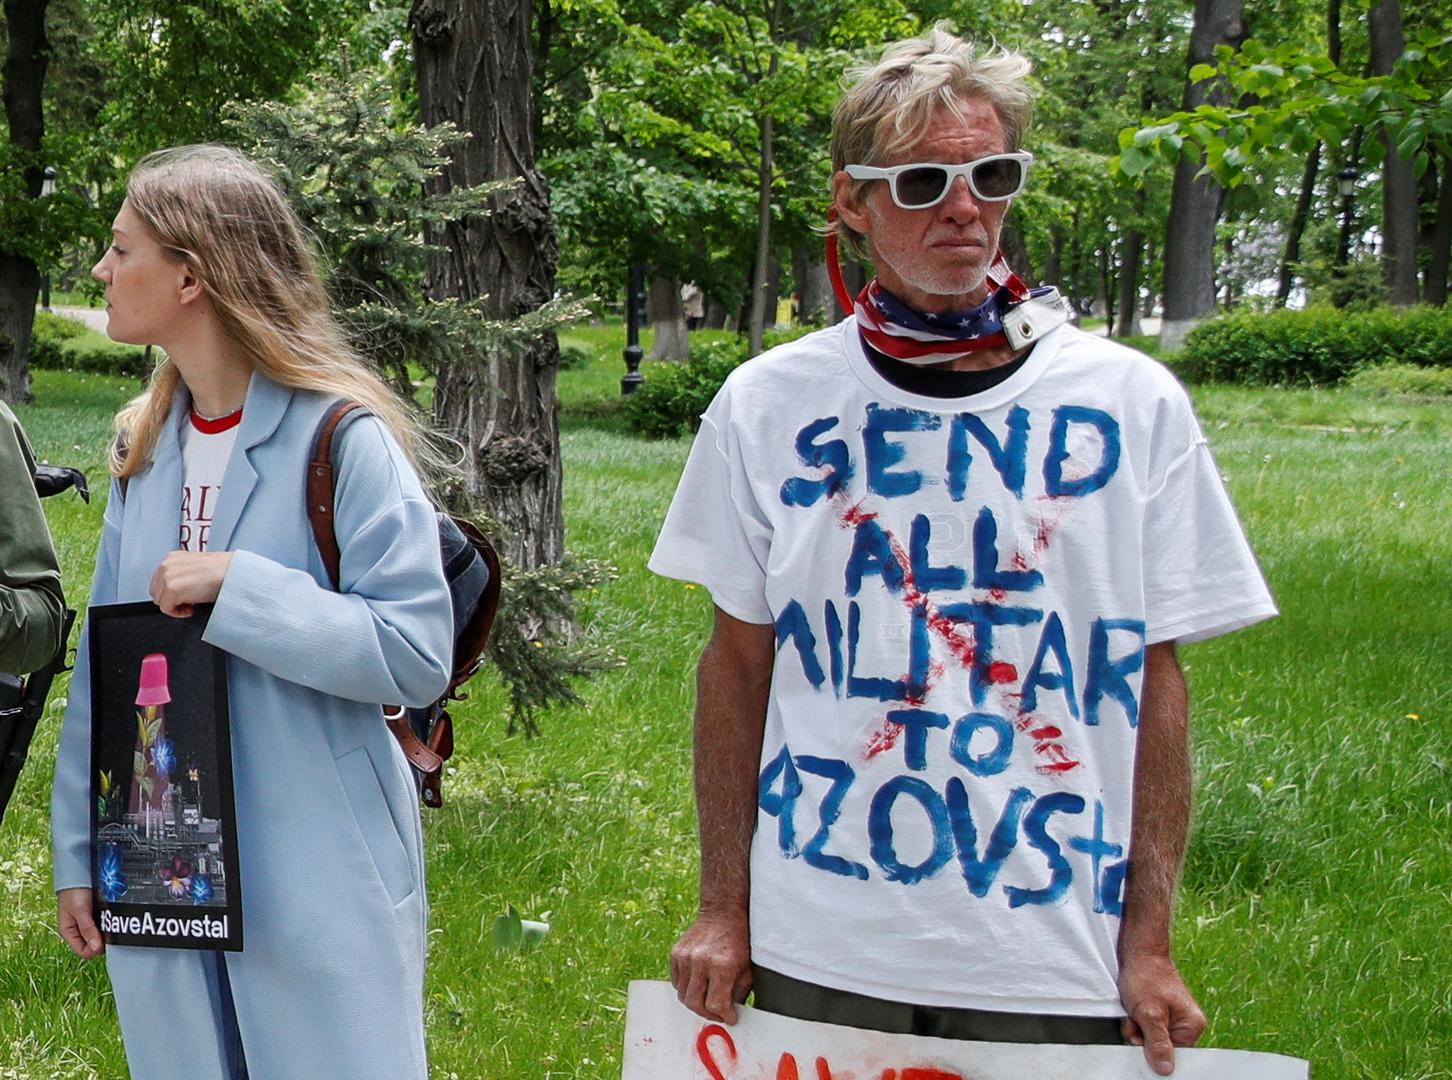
{"x":113,"y":873}
{"x":201,"y":888}
{"x":163,"y":756}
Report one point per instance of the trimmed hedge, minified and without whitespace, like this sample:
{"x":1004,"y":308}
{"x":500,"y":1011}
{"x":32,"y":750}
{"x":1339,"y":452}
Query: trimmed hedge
{"x":674,"y":396}
{"x":574,"y":355}
{"x":1317,"y":346}
{"x":1404,"y":380}
{"x":62,"y":344}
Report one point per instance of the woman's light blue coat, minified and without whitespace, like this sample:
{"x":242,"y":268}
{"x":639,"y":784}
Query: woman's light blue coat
{"x":330,"y":982}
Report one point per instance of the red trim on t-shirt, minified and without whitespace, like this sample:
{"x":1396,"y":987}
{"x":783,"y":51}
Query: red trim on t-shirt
{"x":217,"y":426}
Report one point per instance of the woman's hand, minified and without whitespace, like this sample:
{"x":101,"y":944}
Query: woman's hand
{"x":187,"y":578}
{"x":76,"y":923}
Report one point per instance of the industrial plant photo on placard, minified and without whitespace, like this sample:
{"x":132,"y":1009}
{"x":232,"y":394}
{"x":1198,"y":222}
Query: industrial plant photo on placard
{"x":163,"y":819}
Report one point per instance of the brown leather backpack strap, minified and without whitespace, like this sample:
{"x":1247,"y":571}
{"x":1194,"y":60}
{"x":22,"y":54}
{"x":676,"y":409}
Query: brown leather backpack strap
{"x":441,"y":742}
{"x":320,"y":486}
{"x":419,"y":756}
{"x":320,"y":515}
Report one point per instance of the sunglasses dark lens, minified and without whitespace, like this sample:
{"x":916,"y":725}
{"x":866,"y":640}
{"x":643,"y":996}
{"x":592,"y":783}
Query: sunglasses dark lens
{"x":920,"y":187}
{"x":998,"y":179}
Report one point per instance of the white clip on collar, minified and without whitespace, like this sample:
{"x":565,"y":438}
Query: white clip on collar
{"x":1025,"y":323}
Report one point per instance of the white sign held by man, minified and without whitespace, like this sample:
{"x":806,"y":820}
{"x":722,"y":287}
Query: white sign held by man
{"x":666,"y":1041}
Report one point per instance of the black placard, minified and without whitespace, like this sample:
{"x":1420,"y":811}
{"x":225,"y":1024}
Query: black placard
{"x":163,"y":814}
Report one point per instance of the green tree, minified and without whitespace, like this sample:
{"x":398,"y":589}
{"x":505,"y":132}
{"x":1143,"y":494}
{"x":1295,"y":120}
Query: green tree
{"x":26,"y":56}
{"x":356,"y":168}
{"x":1096,"y":237}
{"x":1286,"y":97}
{"x":692,"y":137}
{"x":174,"y":65}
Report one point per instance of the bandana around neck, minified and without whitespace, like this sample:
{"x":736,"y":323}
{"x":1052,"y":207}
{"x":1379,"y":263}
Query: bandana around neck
{"x":914,"y":337}
{"x":896,"y":330}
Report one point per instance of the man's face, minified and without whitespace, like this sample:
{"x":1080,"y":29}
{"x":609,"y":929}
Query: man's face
{"x":934,"y":259}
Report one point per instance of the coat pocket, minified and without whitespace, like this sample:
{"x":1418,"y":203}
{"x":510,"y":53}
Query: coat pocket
{"x":364,"y":792}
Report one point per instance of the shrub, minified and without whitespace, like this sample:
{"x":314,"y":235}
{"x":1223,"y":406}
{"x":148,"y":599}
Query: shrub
{"x":57,"y":327}
{"x":675,"y":395}
{"x":1317,"y":346}
{"x":574,"y":355}
{"x":62,"y":344}
{"x":1404,"y":380}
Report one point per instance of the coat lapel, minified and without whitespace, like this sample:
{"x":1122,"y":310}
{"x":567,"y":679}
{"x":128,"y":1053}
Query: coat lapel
{"x":261,"y":414}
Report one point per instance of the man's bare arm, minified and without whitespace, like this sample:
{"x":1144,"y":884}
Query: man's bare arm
{"x":711,"y":964}
{"x":1162,"y":1012}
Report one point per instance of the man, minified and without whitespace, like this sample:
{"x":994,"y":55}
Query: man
{"x":31,"y":605}
{"x":941,"y":733}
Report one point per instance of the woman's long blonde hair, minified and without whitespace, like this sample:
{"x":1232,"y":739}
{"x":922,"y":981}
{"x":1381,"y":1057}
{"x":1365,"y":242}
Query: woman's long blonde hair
{"x":215,"y":209}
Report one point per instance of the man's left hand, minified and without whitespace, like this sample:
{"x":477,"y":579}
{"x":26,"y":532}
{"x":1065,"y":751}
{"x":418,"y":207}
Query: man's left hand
{"x":187,"y":578}
{"x":1163,"y":1014}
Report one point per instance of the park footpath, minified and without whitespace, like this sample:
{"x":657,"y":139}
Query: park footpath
{"x":95,"y":318}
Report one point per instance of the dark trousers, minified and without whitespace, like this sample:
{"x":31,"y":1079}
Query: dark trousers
{"x":785,"y":996}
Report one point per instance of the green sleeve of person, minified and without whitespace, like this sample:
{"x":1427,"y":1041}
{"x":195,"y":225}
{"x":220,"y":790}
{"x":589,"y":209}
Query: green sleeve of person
{"x":31,"y":604}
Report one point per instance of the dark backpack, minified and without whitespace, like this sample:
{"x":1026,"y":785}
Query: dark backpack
{"x":22,"y":700}
{"x":471,"y":568}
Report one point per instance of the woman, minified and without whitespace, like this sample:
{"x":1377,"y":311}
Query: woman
{"x":210,"y":263}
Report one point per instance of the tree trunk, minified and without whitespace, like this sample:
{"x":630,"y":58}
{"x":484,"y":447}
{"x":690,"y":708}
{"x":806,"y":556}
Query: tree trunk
{"x":1148,"y":297}
{"x":756,"y":321}
{"x":773,"y":291}
{"x":1104,"y":301}
{"x":1307,"y":195}
{"x":24,"y":83}
{"x":1398,"y":185}
{"x":1054,"y":262}
{"x":809,"y":269}
{"x":1440,"y":246}
{"x":1074,"y":286}
{"x":1298,"y":226}
{"x":1015,"y":250}
{"x":1131,"y":248}
{"x":854,"y":278}
{"x":668,"y":316}
{"x":1232,"y":295}
{"x":1189,"y":267}
{"x":474,"y":68}
{"x":717,"y":314}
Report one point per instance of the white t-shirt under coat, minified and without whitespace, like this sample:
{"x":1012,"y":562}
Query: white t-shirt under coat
{"x":206,"y":447}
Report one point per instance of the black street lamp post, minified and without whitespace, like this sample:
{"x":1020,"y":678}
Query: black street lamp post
{"x":632,"y":380}
{"x":47,"y":189}
{"x":1346,"y":185}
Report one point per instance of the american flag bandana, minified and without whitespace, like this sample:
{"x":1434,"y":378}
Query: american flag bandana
{"x":894,"y":329}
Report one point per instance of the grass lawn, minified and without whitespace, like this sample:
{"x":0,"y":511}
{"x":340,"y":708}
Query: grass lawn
{"x":1314,"y":914}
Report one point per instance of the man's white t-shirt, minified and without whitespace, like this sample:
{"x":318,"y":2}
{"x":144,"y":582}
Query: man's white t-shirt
{"x":962,"y":591}
{"x":206,"y":447}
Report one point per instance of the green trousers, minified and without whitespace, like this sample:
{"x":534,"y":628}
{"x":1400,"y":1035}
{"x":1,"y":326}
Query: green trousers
{"x":785,"y":996}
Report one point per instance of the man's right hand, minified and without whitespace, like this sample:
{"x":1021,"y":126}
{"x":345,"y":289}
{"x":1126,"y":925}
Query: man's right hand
{"x":711,"y":965}
{"x":77,"y":923}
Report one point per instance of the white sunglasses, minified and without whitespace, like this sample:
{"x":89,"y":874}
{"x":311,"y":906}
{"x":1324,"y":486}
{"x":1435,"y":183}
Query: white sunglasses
{"x":919,"y":186}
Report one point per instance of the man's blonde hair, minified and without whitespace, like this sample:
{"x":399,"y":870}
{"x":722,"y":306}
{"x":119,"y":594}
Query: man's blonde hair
{"x":218,"y":212}
{"x":890,"y":104}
